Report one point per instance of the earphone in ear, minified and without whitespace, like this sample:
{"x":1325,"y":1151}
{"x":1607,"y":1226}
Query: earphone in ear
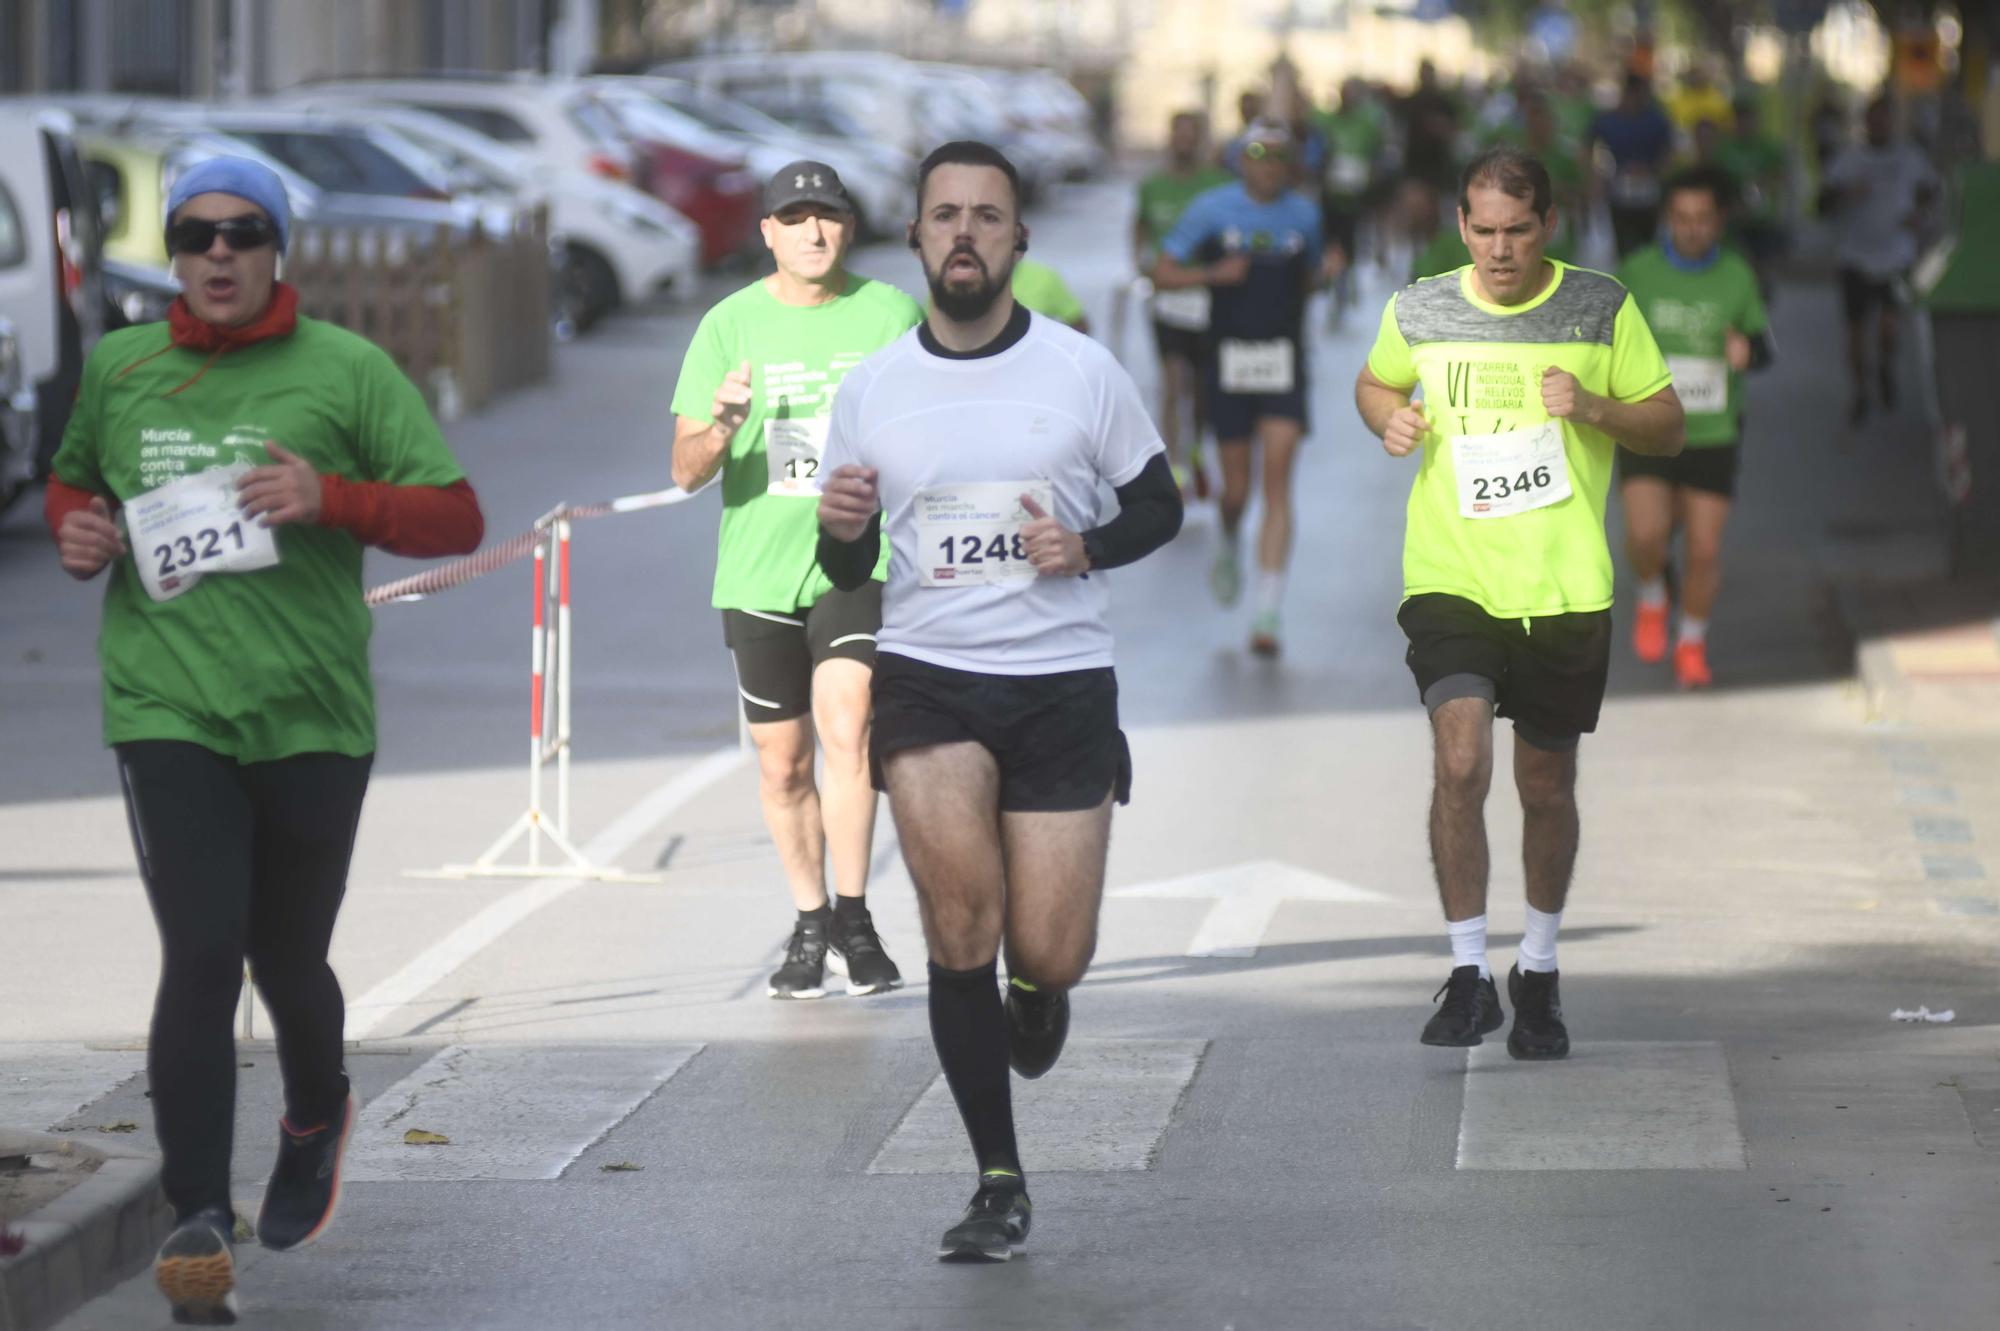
{"x":911,"y":236}
{"x":1020,"y":240}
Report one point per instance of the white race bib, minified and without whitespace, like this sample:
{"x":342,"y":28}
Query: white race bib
{"x":1256,"y":367}
{"x":1701,"y":382}
{"x":1500,"y":475}
{"x":1184,"y":308}
{"x":1347,"y":173}
{"x":1635,"y":189}
{"x":970,"y":535}
{"x":193,"y":526}
{"x":793,"y":447}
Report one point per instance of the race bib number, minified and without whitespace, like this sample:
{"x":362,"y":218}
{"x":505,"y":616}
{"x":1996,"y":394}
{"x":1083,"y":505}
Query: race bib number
{"x":186,"y":529}
{"x":1500,"y":475}
{"x":1701,"y":382}
{"x":793,"y":447}
{"x":1185,"y":308}
{"x":1347,"y":174}
{"x":970,"y":535}
{"x":1635,"y":189}
{"x":1256,"y":367}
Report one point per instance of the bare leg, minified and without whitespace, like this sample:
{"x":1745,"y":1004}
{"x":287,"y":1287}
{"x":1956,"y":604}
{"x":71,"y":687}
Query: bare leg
{"x":1649,"y":525}
{"x":791,"y":805}
{"x":1280,"y":439}
{"x":1707,"y":514}
{"x":1463,"y":734}
{"x":946,"y":801}
{"x":1055,"y":883}
{"x":1235,"y":455}
{"x":1546,"y":780}
{"x":1173,"y":393}
{"x":847,"y":800}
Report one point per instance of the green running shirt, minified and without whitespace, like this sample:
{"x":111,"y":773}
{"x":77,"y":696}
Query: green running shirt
{"x":1479,"y":367}
{"x":1165,"y":196}
{"x":1690,"y":312}
{"x":1042,"y":289}
{"x":798,"y":354}
{"x":267,"y":664}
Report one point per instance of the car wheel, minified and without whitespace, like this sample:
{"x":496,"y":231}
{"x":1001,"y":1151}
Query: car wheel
{"x":586,"y":290}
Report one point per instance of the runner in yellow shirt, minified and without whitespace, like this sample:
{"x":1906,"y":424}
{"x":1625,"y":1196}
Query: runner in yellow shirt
{"x":1531,"y":372}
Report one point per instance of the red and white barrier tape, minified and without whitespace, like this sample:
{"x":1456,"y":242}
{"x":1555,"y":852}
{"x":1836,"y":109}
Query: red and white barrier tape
{"x":461,"y":571}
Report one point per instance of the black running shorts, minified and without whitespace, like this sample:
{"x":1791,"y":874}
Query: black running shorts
{"x":1863,"y":293}
{"x":1055,"y":737}
{"x":1184,"y":344}
{"x":1546,"y":675}
{"x":1709,"y":467}
{"x":776,"y":653}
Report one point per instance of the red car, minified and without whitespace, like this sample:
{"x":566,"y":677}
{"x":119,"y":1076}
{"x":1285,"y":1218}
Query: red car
{"x":718,"y":195}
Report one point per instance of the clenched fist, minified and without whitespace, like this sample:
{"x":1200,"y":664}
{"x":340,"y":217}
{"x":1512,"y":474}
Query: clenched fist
{"x":1566,"y":399}
{"x":1055,"y":551}
{"x":1404,"y":434}
{"x":732,"y":401}
{"x":88,"y":540}
{"x":847,"y":500}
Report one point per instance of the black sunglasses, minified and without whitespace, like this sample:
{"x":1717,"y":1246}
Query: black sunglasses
{"x":193,"y":235}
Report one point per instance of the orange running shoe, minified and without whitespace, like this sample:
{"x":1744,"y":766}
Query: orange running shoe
{"x":1649,"y":633}
{"x":1691,"y":665}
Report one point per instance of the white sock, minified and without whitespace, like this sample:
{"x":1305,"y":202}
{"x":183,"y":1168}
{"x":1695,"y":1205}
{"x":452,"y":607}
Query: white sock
{"x":1468,"y":944}
{"x":1693,"y":630}
{"x":1538,"y":941}
{"x":1654,"y":592}
{"x":1270,"y":590}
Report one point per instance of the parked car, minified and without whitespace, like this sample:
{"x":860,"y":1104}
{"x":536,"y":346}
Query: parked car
{"x":614,"y":243}
{"x":51,"y":294}
{"x":878,"y":178}
{"x":694,"y":169}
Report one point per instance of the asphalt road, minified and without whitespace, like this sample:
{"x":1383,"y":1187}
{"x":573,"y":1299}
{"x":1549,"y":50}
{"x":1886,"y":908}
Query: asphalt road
{"x":638,"y":1138}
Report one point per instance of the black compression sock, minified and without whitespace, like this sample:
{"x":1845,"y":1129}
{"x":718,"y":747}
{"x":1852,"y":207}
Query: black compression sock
{"x":821,"y":916}
{"x":843,"y":907}
{"x":970,"y":1032}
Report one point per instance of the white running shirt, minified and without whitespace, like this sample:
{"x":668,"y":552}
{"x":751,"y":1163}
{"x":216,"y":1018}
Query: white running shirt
{"x":1054,"y":410}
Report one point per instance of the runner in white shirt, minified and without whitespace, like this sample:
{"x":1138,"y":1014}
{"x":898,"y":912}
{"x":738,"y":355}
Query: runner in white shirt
{"x":1874,"y":194}
{"x":981,"y":442}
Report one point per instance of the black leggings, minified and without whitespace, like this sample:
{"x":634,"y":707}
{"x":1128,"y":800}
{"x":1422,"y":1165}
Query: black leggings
{"x":239,"y":860}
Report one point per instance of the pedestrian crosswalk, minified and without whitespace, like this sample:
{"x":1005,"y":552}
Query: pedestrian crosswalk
{"x":529,"y":1112}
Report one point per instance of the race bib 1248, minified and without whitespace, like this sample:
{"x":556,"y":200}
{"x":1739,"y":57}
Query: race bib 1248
{"x":969,"y":535}
{"x":192,"y":527}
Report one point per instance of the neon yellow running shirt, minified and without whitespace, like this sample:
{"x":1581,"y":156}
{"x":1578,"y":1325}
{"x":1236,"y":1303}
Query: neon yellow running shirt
{"x":1479,"y":366}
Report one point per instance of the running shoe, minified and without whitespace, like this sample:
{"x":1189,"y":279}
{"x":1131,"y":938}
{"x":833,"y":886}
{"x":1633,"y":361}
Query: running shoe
{"x":1538,"y":1015}
{"x":804,"y":973}
{"x":1037,"y":1025}
{"x":1691,"y":665}
{"x":1470,"y":1011}
{"x":1649,"y":633}
{"x":1264,"y":634}
{"x":995,"y":1225}
{"x":304,"y":1190}
{"x":855,"y":950}
{"x":1225,"y":578}
{"x":196,"y":1270}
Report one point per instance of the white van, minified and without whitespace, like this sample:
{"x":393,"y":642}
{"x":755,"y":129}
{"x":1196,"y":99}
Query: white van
{"x":51,"y":296}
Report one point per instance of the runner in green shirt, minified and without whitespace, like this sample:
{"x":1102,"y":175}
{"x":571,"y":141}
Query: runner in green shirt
{"x":1042,"y":289}
{"x":1702,"y":304}
{"x":1180,"y":318}
{"x":1356,"y":133}
{"x":227,"y":468}
{"x":1528,"y":369}
{"x":1757,"y":164}
{"x":756,"y":389}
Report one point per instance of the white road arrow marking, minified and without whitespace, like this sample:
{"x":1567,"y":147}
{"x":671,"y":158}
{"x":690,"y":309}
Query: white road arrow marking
{"x":1246,"y":897}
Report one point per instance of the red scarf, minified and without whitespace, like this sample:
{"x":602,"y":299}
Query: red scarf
{"x":279,"y":318}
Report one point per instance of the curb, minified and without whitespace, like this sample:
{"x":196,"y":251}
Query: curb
{"x":93,"y":1237}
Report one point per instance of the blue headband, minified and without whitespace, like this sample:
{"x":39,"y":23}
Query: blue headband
{"x":250,"y":181}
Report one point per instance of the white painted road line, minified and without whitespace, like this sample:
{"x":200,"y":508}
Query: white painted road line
{"x":368,"y":1013}
{"x":1247,"y":897}
{"x":1104,"y":1107}
{"x":1609,"y":1105}
{"x":510,"y":1113}
{"x":43,"y":1084}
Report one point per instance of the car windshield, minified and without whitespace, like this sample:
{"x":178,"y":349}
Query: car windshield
{"x":731,"y":117}
{"x":345,"y":162}
{"x":13,"y":239}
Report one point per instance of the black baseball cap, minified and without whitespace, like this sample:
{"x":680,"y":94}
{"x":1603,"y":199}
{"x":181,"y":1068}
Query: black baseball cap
{"x":805,"y":182}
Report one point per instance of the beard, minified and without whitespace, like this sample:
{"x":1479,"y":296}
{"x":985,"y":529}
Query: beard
{"x":966,"y":304}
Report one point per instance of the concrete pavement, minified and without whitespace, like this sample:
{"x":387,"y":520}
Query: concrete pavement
{"x":1744,"y":1137}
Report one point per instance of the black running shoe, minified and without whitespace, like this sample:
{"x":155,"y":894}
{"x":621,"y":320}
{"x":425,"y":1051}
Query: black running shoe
{"x":1037,"y":1025}
{"x":1471,"y":1009}
{"x":995,"y":1224}
{"x":804,"y":973}
{"x":196,"y":1270}
{"x":855,"y":950}
{"x":1538,"y":1015}
{"x":304,"y":1190}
